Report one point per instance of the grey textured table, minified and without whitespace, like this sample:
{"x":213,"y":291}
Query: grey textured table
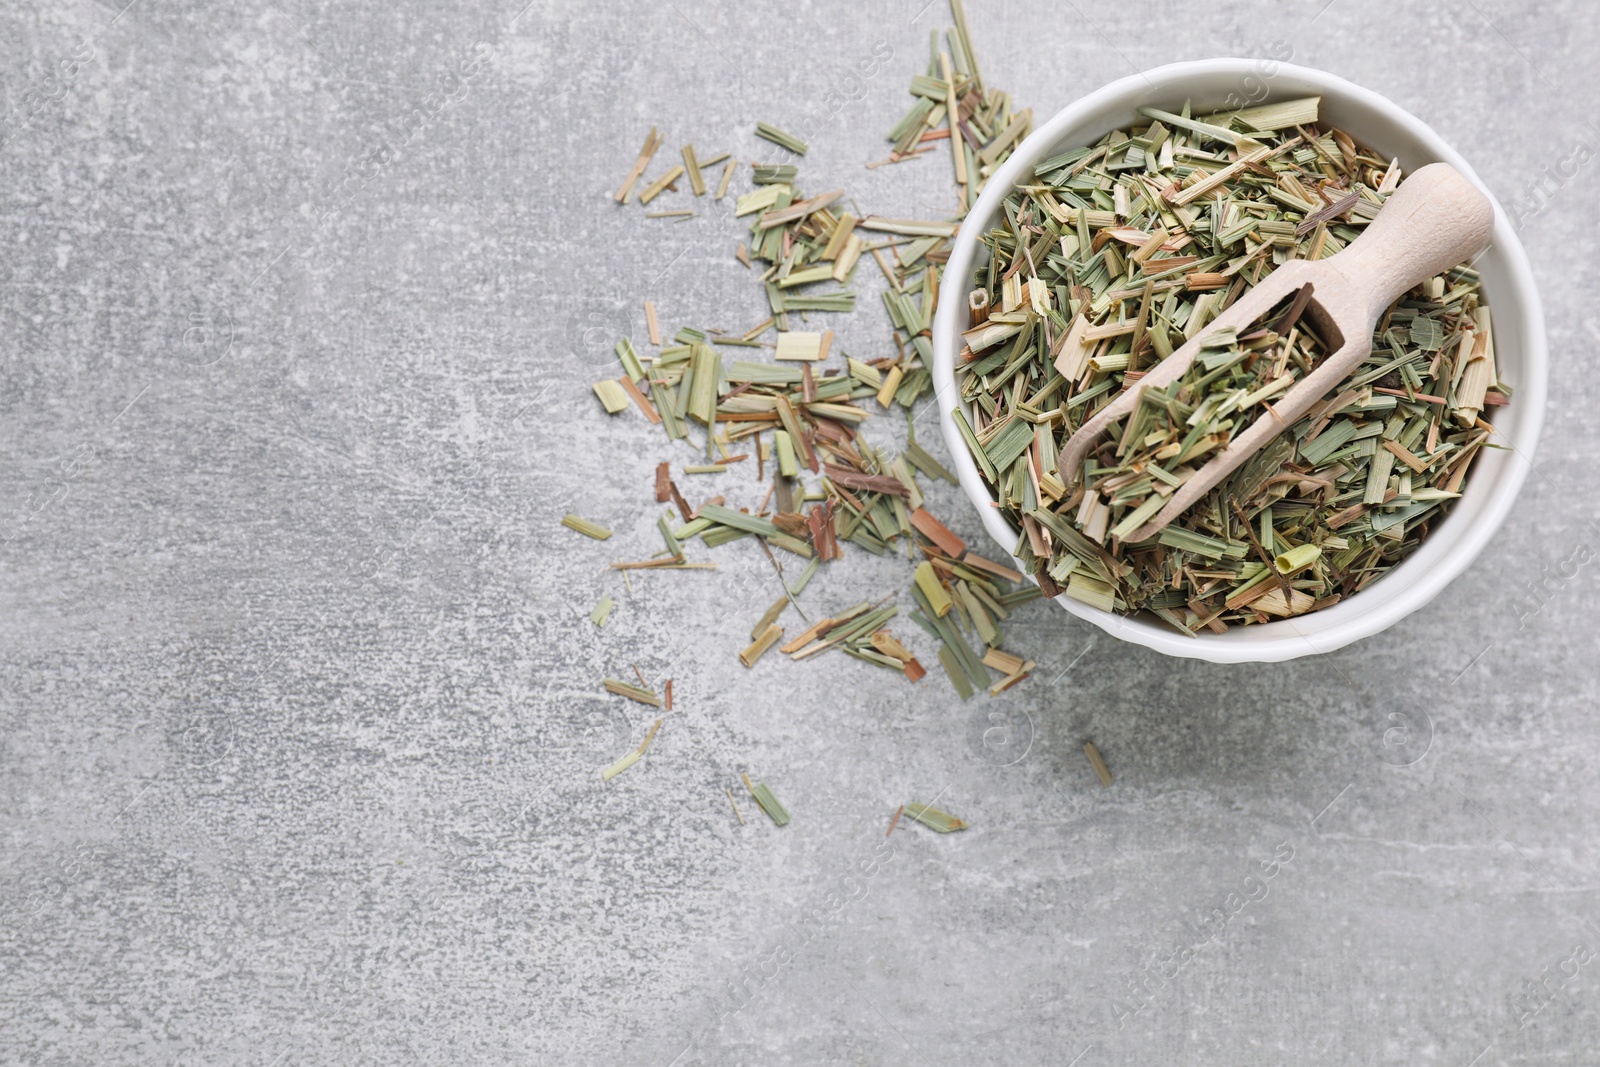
{"x":299,"y":717}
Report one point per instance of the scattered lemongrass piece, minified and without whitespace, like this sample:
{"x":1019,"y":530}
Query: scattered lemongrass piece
{"x":780,"y":138}
{"x":768,"y":617}
{"x":767,"y":801}
{"x":612,"y":395}
{"x":934,"y":819}
{"x":632,"y":692}
{"x":759,"y":646}
{"x":652,"y":142}
{"x":799,"y":345}
{"x":1099,"y":764}
{"x":692,"y":167}
{"x":632,"y":757}
{"x":585,"y":527}
{"x":938,"y":533}
{"x":927,"y":580}
{"x":652,"y":325}
{"x":655,"y":188}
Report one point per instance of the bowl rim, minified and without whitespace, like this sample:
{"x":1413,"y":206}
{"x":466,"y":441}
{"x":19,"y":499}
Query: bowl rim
{"x":1282,"y":639}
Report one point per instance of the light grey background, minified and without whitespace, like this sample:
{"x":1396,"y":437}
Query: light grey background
{"x":299,"y":713}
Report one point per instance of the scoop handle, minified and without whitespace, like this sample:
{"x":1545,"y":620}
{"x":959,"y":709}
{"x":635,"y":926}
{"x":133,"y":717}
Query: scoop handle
{"x":1436,"y":219}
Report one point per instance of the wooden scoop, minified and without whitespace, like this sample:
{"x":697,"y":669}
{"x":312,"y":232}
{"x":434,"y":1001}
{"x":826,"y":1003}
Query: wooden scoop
{"x":1435,"y":220}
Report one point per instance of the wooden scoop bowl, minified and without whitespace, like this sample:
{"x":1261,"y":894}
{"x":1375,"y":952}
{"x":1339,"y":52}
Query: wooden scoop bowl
{"x":1433,"y":221}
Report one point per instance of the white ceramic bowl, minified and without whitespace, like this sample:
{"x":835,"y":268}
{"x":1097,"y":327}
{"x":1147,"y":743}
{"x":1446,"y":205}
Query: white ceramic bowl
{"x":1507,"y":284}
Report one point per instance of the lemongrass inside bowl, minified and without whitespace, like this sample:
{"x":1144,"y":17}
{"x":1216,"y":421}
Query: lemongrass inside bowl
{"x":1507,"y":286}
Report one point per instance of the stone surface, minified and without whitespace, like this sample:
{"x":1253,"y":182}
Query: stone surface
{"x":299,"y":718}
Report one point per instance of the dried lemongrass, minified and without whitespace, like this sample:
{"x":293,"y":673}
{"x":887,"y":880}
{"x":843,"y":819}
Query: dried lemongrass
{"x":691,"y":166}
{"x":652,"y":325}
{"x":632,"y":692}
{"x":934,"y":819}
{"x":1098,"y":763}
{"x":612,"y":396}
{"x":1117,"y":253}
{"x":651,"y":142}
{"x":759,"y":646}
{"x":632,"y":757}
{"x":831,"y":484}
{"x":768,"y":803}
{"x":780,"y":138}
{"x":655,"y":188}
{"x":585,"y":527}
{"x":798,"y":344}
{"x":768,"y":617}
